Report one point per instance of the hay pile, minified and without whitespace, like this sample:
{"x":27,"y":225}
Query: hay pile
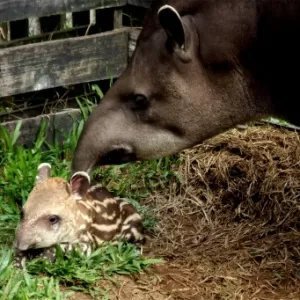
{"x":250,"y":175}
{"x":233,"y":225}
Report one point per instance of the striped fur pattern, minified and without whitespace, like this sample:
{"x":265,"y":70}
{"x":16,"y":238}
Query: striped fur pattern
{"x":109,"y":218}
{"x":67,"y":214}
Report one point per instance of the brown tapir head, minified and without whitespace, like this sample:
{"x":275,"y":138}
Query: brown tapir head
{"x":185,"y":83}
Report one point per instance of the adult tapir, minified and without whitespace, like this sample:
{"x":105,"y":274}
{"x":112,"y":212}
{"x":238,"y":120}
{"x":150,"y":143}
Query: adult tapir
{"x":200,"y":67}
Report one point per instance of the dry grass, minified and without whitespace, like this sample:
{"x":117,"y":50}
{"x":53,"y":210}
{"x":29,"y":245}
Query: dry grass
{"x":233,"y":226}
{"x":231,"y":230}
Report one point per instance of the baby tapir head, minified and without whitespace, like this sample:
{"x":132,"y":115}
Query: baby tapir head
{"x":48,"y":217}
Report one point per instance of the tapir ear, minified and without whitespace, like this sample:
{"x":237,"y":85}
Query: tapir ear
{"x":80,"y":183}
{"x":43,"y":173}
{"x":171,"y":21}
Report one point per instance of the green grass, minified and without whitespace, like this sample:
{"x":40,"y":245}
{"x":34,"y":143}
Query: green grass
{"x":18,"y":167}
{"x":16,"y":284}
{"x":103,"y":263}
{"x":75,"y":272}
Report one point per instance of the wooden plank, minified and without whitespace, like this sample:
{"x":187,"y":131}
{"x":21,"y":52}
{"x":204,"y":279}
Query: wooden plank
{"x":50,"y":64}
{"x":63,"y":121}
{"x":141,"y":3}
{"x":118,"y":18}
{"x":43,"y":37}
{"x":11,"y":10}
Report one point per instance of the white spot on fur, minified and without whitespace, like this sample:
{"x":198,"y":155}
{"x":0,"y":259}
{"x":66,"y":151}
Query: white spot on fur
{"x":77,"y":197}
{"x":133,"y":217}
{"x":94,"y":187}
{"x":98,"y":209}
{"x":137,"y":235}
{"x":123,"y":203}
{"x":107,"y":228}
{"x":99,"y":241}
{"x":86,"y":218}
{"x":107,"y":201}
{"x":90,"y":236}
{"x":126,"y":227}
{"x":86,"y":204}
{"x":117,"y":236}
{"x":82,"y":227}
{"x":109,"y":217}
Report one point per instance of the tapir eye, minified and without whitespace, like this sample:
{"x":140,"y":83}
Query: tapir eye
{"x":54,"y":219}
{"x":140,"y":102}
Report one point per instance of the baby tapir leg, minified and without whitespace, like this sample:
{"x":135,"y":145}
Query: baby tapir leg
{"x":19,"y":260}
{"x":20,"y":257}
{"x":132,"y":228}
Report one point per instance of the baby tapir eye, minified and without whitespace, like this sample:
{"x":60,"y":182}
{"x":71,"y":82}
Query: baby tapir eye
{"x":53,"y":219}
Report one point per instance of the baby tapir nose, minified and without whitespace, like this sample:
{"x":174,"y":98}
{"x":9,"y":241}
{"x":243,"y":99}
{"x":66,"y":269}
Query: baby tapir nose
{"x":20,"y":246}
{"x":24,"y":245}
{"x":21,"y":242}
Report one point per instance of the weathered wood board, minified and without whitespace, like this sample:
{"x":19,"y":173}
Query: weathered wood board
{"x":142,"y":3}
{"x":50,"y":64}
{"x":11,"y":10}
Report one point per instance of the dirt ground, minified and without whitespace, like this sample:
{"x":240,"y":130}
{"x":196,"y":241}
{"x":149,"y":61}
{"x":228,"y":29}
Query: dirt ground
{"x":231,"y":231}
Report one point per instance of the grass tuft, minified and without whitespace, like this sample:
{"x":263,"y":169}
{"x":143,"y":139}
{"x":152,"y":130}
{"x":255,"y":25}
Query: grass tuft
{"x":16,"y":284}
{"x":80,"y":272}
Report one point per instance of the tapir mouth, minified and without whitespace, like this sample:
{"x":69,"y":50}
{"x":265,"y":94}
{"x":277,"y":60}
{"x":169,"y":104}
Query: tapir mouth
{"x":117,"y":156}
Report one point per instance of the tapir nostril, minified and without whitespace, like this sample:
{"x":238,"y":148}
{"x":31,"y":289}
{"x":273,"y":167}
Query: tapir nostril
{"x":118,"y":155}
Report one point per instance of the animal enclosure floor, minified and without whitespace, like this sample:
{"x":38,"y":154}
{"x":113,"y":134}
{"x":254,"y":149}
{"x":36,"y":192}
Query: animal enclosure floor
{"x":231,"y":230}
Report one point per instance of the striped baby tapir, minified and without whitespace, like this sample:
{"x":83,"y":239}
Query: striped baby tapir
{"x":58,"y":212}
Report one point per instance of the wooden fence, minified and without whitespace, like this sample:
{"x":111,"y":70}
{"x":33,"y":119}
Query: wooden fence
{"x":42,"y":59}
{"x":43,"y":65}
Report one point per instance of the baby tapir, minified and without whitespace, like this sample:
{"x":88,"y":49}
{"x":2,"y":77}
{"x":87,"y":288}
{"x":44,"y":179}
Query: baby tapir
{"x":61,"y":213}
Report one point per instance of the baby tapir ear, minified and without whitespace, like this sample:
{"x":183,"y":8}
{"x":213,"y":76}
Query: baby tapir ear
{"x":80,"y":183}
{"x":44,"y":172}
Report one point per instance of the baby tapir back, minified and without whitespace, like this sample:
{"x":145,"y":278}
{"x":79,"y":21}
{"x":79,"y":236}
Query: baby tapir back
{"x":114,"y":218}
{"x":59,"y":212}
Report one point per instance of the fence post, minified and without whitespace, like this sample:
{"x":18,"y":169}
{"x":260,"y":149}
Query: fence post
{"x":34,"y":26}
{"x":118,"y":18}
